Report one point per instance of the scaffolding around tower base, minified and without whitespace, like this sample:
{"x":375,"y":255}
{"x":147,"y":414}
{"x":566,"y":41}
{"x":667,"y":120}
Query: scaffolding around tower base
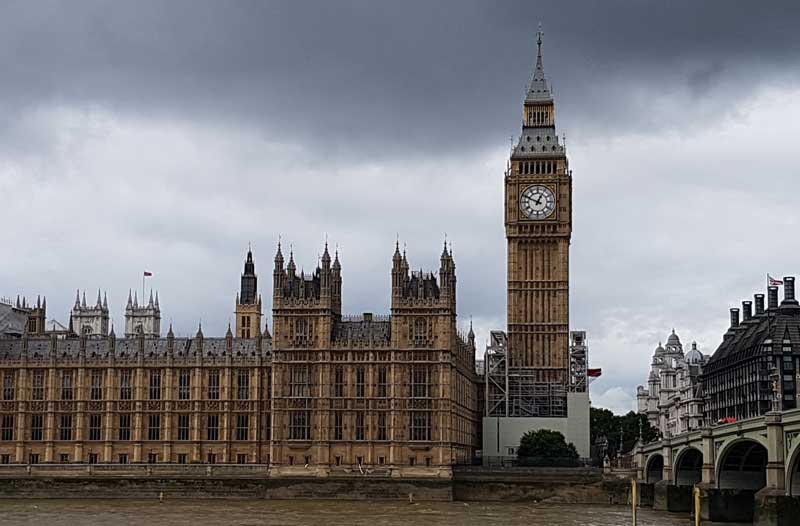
{"x":514,"y":391}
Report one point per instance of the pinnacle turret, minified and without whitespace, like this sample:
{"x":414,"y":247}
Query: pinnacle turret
{"x":326,"y":257}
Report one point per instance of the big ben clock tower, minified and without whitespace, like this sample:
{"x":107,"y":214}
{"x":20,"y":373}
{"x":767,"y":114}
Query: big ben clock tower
{"x":538,"y":217}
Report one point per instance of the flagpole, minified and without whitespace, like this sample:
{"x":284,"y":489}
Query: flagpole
{"x":143,"y":288}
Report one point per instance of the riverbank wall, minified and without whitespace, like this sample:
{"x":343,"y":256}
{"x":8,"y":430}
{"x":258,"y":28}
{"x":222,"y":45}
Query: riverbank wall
{"x":556,"y":485}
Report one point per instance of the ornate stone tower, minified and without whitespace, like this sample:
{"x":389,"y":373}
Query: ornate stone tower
{"x":248,"y":302}
{"x":143,"y":319}
{"x":305,"y":306}
{"x":538,"y":219}
{"x":423,"y":310}
{"x":90,"y":320}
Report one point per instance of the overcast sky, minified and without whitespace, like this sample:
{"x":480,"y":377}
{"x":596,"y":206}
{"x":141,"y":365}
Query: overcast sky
{"x":166,"y":136}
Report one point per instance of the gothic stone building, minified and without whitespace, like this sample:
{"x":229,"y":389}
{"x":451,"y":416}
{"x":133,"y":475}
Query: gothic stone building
{"x":329,"y":392}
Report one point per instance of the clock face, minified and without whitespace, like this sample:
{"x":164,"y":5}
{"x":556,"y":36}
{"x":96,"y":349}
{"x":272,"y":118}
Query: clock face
{"x":537,"y":202}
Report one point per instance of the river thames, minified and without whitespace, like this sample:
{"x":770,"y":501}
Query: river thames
{"x":107,"y":512}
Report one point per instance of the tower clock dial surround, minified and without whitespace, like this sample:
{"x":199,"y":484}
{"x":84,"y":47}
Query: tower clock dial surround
{"x":537,"y":202}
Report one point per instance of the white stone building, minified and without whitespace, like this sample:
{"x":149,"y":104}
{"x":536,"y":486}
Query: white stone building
{"x":673,"y":398}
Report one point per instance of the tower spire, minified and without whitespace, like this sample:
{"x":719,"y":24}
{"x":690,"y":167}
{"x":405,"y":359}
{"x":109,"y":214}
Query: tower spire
{"x":539,"y":89}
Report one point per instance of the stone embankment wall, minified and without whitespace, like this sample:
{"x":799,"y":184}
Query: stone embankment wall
{"x":556,"y":485}
{"x":152,"y":488}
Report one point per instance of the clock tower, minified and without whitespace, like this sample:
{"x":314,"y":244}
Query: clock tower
{"x":538,"y":219}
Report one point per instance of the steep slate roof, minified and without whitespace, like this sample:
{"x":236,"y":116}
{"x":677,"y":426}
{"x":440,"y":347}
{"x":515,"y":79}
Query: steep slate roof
{"x":746,"y":341}
{"x":11,"y":323}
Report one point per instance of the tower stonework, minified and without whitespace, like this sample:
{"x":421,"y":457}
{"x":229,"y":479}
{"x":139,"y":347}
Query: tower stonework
{"x":144,"y":319}
{"x":538,"y":221}
{"x":248,"y":302}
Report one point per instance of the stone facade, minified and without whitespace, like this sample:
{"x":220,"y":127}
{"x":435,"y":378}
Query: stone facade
{"x":248,"y":302}
{"x":142,"y":319}
{"x":673,"y":399}
{"x":90,"y":320}
{"x":398,"y":390}
{"x":538,"y":221}
{"x":330,"y":393}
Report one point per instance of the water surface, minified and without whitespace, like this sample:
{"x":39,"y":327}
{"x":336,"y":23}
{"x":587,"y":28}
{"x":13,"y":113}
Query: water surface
{"x":183,"y":512}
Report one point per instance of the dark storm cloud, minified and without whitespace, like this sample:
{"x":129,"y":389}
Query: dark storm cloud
{"x":167,"y":135}
{"x":389,"y":78}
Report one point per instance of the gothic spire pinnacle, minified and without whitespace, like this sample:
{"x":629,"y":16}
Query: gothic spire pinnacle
{"x":539,"y":89}
{"x":150,"y":302}
{"x":83,"y":301}
{"x":279,"y":254}
{"x":105,"y":300}
{"x":99,"y":301}
{"x":170,"y":334}
{"x":130,"y":299}
{"x":157,"y":300}
{"x":326,"y":257}
{"x":77,"y":298}
{"x":291,"y":267}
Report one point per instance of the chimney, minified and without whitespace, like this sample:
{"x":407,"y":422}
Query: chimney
{"x":759,"y":304}
{"x":772,"y":297}
{"x":788,"y":291}
{"x":734,"y":318}
{"x":747,"y":310}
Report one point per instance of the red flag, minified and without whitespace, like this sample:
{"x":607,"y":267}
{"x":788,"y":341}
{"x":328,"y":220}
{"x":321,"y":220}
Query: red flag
{"x":594,"y":373}
{"x":147,"y":274}
{"x":772,"y":282}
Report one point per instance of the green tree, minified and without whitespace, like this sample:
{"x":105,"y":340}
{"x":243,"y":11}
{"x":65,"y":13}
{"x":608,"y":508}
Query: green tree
{"x":604,"y":423}
{"x":544,"y":445}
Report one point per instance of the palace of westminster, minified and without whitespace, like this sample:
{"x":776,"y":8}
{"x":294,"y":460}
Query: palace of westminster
{"x":324,"y":391}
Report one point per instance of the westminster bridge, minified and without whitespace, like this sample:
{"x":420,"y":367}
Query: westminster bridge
{"x":745,"y":470}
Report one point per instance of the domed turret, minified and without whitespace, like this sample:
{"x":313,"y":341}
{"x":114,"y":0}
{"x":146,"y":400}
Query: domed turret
{"x":694,"y":356}
{"x":673,"y":339}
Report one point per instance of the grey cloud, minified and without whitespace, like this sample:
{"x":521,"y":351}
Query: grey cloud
{"x":167,"y":135}
{"x":332,"y":73}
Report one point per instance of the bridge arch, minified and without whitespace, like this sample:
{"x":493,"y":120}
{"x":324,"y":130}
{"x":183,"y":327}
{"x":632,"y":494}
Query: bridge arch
{"x":688,"y":467}
{"x":654,"y":468}
{"x":742,"y":464}
{"x":793,"y":471}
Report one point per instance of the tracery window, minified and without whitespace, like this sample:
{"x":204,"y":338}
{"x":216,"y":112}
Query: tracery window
{"x":422,"y":332}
